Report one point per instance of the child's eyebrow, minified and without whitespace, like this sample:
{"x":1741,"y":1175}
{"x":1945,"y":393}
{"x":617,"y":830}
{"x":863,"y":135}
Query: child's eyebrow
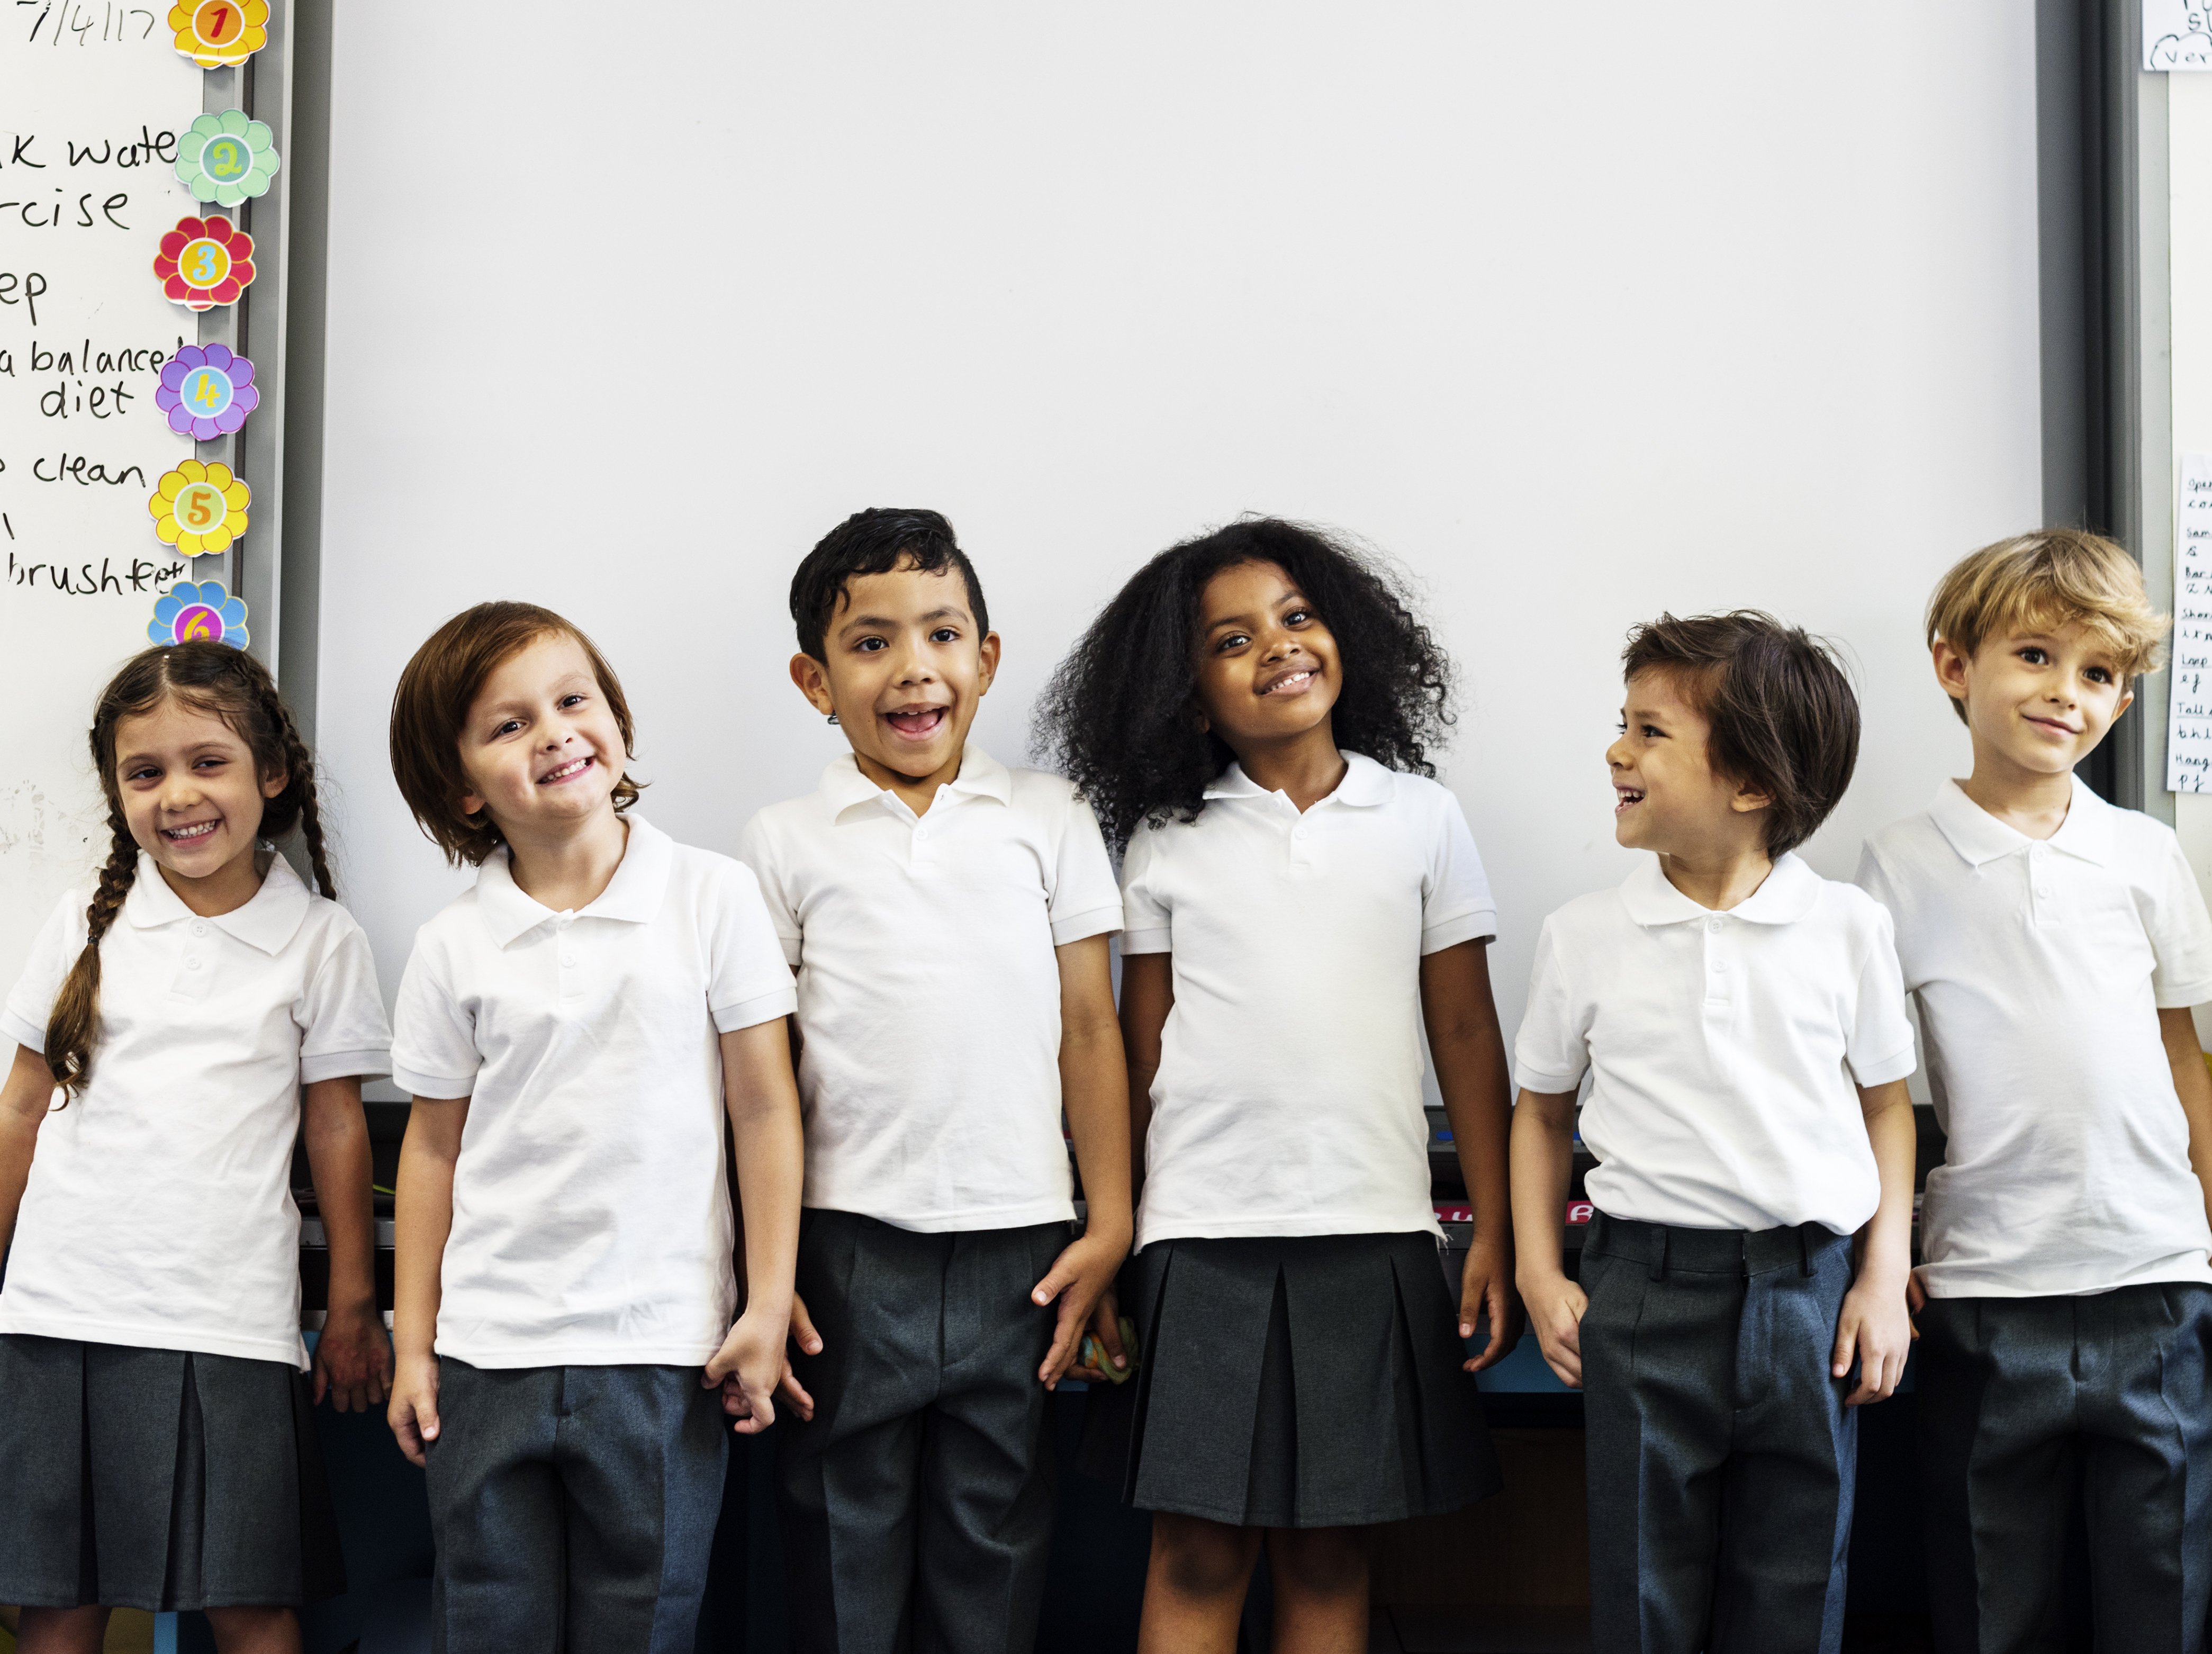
{"x":949,"y":612}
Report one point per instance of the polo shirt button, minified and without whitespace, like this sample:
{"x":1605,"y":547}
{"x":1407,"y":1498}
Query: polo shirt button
{"x":191,"y":964}
{"x":2043,"y":892}
{"x":1720,"y":967}
{"x":1713,"y":925}
{"x":568,"y":960}
{"x":199,"y":930}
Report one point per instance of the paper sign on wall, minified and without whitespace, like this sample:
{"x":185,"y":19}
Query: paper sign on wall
{"x":2189,"y":729}
{"x":2177,"y":34}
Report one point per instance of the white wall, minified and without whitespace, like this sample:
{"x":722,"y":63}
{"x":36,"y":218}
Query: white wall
{"x":2189,"y":130}
{"x":1582,"y":314}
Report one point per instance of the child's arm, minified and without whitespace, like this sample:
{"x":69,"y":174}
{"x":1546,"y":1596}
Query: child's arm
{"x":1875,"y":1326}
{"x":1147,"y":996}
{"x":2192,"y":1083}
{"x":423,"y":1218}
{"x":763,"y":1099}
{"x":25,"y":1097}
{"x":1543,"y":1158}
{"x":1094,"y":1089}
{"x":1462,"y":1018}
{"x":353,"y":1361}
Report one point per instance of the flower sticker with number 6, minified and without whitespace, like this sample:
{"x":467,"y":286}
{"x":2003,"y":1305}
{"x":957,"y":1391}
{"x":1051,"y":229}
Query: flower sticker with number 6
{"x":219,"y":33}
{"x":226,"y":158}
{"x":205,"y":262}
{"x":199,"y":509}
{"x":206,"y":391}
{"x":191,"y":613}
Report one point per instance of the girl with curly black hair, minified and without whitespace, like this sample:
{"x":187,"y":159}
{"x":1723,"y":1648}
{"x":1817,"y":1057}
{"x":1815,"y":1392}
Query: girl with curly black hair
{"x":1251,"y":718}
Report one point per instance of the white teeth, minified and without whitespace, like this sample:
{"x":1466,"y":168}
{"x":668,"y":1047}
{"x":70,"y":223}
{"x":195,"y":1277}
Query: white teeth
{"x":183,"y":835}
{"x":1291,"y":682}
{"x":567,"y":770}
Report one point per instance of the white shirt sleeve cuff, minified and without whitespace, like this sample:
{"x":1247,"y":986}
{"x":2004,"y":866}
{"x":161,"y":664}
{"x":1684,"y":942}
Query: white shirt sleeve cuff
{"x":1098,"y":921}
{"x":791,"y":946}
{"x":1534,"y":1080}
{"x":762,"y":1008}
{"x":21,"y":1031}
{"x":2182,"y":996}
{"x":1898,"y":1067}
{"x":1145,"y":941}
{"x":444,"y":1087}
{"x":1481,"y":925}
{"x":344,"y":1065}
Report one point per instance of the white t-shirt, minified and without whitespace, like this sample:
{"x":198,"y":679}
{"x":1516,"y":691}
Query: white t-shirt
{"x":928,"y":990}
{"x":592,"y":1222}
{"x":159,"y":1212}
{"x":1288,"y":1100}
{"x":2040,"y":968}
{"x":1724,"y":1048}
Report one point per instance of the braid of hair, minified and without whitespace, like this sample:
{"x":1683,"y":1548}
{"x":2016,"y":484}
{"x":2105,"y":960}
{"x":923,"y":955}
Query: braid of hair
{"x":72,"y":1028}
{"x":301,"y":764}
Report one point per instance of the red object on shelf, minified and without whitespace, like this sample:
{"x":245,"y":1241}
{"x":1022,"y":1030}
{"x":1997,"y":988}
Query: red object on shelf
{"x":1579,"y":1211}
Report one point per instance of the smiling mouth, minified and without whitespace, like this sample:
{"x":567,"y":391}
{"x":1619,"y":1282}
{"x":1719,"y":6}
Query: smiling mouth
{"x":191,"y":834}
{"x":1627,"y":797}
{"x":1291,"y":682}
{"x":917,"y":723}
{"x":2054,"y":726}
{"x":567,"y":772}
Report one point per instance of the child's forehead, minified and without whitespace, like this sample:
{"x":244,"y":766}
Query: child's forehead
{"x":2062,"y":628}
{"x":902,"y":594}
{"x":1670,"y":689}
{"x":173,"y":721}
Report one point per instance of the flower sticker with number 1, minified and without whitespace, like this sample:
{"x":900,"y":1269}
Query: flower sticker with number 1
{"x":219,"y":33}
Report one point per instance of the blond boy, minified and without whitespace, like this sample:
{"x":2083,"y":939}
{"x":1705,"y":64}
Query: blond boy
{"x":2055,"y":944}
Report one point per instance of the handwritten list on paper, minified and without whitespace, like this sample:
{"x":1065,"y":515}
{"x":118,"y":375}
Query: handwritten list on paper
{"x":2188,"y":732}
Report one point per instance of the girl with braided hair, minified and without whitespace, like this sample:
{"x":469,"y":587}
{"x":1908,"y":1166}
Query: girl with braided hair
{"x":172,"y":1028}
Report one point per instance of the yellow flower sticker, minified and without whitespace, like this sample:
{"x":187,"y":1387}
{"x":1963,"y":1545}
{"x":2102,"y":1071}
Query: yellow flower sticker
{"x":219,"y":33}
{"x":199,"y":508}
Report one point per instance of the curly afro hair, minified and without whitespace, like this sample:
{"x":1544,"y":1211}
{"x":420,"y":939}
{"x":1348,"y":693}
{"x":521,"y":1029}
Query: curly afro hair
{"x":1117,"y":717}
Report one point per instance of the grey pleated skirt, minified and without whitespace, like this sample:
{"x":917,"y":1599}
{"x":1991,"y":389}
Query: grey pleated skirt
{"x":1309,"y":1381}
{"x":159,"y":1480}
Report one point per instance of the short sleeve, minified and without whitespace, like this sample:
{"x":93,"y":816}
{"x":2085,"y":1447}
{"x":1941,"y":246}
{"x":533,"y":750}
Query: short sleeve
{"x":2180,"y":934}
{"x":757,"y":850}
{"x":1551,"y":1052}
{"x":31,"y":1002}
{"x":343,"y":1030}
{"x":1146,"y":923}
{"x":1874,"y":878}
{"x":1455,"y":901}
{"x":751,"y":980}
{"x":433,"y":1035}
{"x":1084,"y":900}
{"x":1879,"y":1046}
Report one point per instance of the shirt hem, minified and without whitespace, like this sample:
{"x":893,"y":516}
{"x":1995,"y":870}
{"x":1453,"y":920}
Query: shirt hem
{"x":752,"y":1012}
{"x":2167,"y":1272}
{"x":1898,"y":1067}
{"x":1097,"y":921}
{"x":1147,"y":941}
{"x":344,"y":1065}
{"x":2183,"y":998}
{"x":441,"y":1086}
{"x":547,"y":1352}
{"x":291,"y":1353}
{"x":1242,"y":1228}
{"x":1536,"y":1079}
{"x":940,"y":1223}
{"x":23,"y":1033}
{"x":1482,"y":924}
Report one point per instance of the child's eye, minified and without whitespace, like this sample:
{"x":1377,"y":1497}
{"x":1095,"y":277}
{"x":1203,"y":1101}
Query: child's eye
{"x":871,"y":646}
{"x":2100,"y":675}
{"x":1234,"y":640}
{"x":2034,"y":656}
{"x":1298,"y":616}
{"x":944,"y":635}
{"x":568,"y":701}
{"x":507,"y":728}
{"x":146,"y":772}
{"x":207,"y":764}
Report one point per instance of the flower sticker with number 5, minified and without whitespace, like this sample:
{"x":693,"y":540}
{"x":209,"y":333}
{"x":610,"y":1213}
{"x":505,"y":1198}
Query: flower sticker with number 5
{"x":226,"y":158}
{"x":205,"y":262}
{"x":206,"y":391}
{"x":199,"y":509}
{"x":219,"y":33}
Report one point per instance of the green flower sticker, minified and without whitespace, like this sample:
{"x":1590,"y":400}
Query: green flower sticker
{"x":226,"y":158}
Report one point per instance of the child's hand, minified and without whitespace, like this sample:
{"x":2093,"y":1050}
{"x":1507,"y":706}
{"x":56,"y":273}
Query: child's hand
{"x":353,"y":1358}
{"x":1485,"y":1287}
{"x":1079,"y":1277}
{"x":1875,"y":1330}
{"x":803,"y":1335}
{"x":1106,"y":1328}
{"x":1555,"y":1310}
{"x":413,"y":1414}
{"x":753,"y":1358}
{"x":1916,"y":1297}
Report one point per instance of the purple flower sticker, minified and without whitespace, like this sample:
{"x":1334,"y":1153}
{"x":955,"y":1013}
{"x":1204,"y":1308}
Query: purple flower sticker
{"x":207,"y":392}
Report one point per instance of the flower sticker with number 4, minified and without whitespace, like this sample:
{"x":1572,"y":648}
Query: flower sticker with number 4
{"x":226,"y":158}
{"x":205,"y":262}
{"x":219,"y":33}
{"x":199,"y":509}
{"x":206,"y":391}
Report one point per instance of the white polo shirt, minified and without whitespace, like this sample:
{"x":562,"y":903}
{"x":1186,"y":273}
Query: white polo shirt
{"x":1724,"y":1048}
{"x":1288,"y":1100}
{"x":159,"y":1212}
{"x":2040,"y":968}
{"x":592,"y":1221}
{"x":928,"y":990}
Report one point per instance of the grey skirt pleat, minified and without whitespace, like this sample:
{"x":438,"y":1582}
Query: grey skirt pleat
{"x":159,"y":1480}
{"x":1294,"y":1381}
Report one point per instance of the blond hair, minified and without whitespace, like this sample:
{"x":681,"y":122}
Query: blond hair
{"x":2053,"y":578}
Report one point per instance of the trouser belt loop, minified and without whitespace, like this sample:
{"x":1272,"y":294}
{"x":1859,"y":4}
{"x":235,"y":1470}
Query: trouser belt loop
{"x":1659,"y":1253}
{"x":1805,"y":1248}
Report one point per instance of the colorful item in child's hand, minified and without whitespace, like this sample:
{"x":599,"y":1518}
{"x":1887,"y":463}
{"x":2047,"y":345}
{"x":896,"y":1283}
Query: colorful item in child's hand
{"x":219,"y":33}
{"x":227,"y":158}
{"x":1093,"y":1354}
{"x":204,"y":611}
{"x":206,"y":391}
{"x":205,"y":262}
{"x":199,"y":508}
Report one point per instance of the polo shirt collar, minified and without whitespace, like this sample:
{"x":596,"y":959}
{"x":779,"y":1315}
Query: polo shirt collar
{"x":1788,"y":896}
{"x":267,"y":922}
{"x":1979,"y":836}
{"x":1365,"y":784}
{"x":634,"y":895}
{"x":981,"y":775}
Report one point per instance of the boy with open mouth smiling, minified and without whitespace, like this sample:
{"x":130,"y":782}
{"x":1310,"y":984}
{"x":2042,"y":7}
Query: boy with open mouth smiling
{"x":948,"y":920}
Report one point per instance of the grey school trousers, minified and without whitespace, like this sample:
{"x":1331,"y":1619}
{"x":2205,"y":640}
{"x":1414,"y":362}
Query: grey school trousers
{"x":572,"y":1508}
{"x":1720,"y":1456}
{"x":917,"y":1503}
{"x":2017,"y":1397}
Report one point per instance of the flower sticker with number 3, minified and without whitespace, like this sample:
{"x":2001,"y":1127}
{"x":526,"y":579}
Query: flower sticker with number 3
{"x":219,"y":33}
{"x":205,"y":262}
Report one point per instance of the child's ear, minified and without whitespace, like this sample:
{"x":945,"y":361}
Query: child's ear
{"x":1750,"y":799}
{"x":988,"y":649}
{"x":813,"y":680}
{"x":1950,"y":669}
{"x":272,"y":785}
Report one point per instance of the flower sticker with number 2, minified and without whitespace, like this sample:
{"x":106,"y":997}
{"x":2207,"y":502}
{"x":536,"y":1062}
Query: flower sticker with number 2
{"x":205,"y":262}
{"x":227,"y":158}
{"x":219,"y":33}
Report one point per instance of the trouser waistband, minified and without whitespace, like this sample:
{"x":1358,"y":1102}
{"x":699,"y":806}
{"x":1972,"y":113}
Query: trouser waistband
{"x":1746,"y":1252}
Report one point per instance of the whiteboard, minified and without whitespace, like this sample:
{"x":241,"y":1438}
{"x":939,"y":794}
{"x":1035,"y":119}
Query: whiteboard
{"x":1582,"y":314}
{"x":91,"y":100}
